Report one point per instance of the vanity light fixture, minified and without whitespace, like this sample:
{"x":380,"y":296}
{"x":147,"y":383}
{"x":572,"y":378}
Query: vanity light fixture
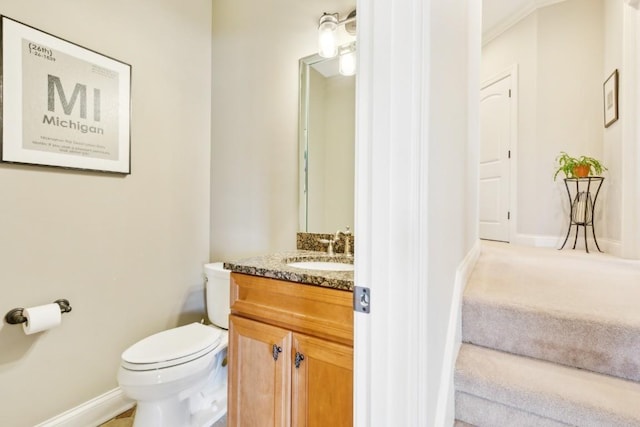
{"x":327,"y":44}
{"x":327,"y":26}
{"x":347,"y":60}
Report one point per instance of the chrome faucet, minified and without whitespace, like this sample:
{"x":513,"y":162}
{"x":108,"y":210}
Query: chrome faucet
{"x":328,"y":242}
{"x":347,"y":240}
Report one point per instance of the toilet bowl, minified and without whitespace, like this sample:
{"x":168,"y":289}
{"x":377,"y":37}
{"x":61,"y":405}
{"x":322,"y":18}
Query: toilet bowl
{"x":178,"y":377}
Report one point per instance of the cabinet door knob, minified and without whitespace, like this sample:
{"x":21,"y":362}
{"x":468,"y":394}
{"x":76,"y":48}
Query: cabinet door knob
{"x":276,"y":351}
{"x":299,"y":359}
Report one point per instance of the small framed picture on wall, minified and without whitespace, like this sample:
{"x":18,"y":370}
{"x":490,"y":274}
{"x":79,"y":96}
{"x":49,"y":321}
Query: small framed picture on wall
{"x":610,"y":94}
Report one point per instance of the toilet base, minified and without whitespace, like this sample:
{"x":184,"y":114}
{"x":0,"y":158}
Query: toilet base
{"x":190,"y":408}
{"x":173,"y":412}
{"x":169,"y":412}
{"x":207,"y":417}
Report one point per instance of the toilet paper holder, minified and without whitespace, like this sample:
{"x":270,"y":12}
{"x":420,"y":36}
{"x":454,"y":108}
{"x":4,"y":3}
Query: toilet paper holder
{"x":15,"y":317}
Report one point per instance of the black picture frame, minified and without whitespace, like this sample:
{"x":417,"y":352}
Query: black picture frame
{"x":62,"y":104}
{"x":610,"y":99}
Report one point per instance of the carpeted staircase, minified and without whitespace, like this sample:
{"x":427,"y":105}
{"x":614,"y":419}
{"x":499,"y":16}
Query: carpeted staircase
{"x":550,"y":338}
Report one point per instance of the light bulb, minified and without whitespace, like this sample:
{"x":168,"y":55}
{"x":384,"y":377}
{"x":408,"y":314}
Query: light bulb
{"x":347,"y":63}
{"x":327,"y":43}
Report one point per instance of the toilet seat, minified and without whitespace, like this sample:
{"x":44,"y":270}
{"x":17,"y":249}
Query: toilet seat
{"x":172,"y":347}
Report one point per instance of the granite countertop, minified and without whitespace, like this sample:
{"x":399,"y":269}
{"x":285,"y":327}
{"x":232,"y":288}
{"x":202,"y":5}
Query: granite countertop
{"x":274,"y":266}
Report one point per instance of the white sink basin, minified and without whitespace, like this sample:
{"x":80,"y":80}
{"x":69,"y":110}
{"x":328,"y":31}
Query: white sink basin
{"x":322,"y":265}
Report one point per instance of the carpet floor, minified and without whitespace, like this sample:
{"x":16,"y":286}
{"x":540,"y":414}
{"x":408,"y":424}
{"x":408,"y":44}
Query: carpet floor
{"x":551,"y":338}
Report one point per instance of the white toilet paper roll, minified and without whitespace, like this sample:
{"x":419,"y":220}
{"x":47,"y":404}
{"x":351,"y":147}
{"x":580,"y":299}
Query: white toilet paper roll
{"x":41,"y":318}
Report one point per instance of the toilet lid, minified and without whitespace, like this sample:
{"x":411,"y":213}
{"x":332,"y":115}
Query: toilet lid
{"x":170,"y":347}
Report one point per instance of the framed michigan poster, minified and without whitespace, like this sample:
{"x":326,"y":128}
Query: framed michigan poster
{"x":62,"y":104}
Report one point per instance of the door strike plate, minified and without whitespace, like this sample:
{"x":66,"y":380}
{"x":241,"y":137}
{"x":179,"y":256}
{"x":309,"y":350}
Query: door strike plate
{"x":362,"y":299}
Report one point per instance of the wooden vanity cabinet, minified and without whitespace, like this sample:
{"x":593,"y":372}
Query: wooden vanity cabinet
{"x":290,"y":354}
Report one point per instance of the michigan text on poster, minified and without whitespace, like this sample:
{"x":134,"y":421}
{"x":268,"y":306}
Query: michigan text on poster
{"x":70,"y":106}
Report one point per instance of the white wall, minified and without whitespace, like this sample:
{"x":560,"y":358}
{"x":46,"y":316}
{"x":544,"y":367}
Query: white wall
{"x":127,"y":251}
{"x":254,"y":156}
{"x":559,"y":52}
{"x":612,"y":136}
{"x":629,"y":107}
{"x":453,"y":81}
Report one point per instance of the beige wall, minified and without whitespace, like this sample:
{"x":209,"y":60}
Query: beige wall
{"x":316,"y":134}
{"x":254,"y":155}
{"x":331,"y":153}
{"x":559,"y":53}
{"x":127,"y":251}
{"x":340,"y":160}
{"x":569,"y":110}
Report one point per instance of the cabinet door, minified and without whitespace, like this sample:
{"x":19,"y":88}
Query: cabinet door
{"x":259,"y":374}
{"x":322,"y":383}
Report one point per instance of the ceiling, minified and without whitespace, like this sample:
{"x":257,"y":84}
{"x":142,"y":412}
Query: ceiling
{"x":494,"y":12}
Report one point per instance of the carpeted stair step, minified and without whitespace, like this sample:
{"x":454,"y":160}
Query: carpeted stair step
{"x":565,"y":307}
{"x":458,"y":423}
{"x":495,"y":388}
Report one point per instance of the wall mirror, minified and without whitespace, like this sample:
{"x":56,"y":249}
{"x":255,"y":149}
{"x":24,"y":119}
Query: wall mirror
{"x":326,"y":146}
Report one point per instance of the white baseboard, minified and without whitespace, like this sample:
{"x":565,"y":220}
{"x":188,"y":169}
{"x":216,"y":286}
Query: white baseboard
{"x":610,"y":246}
{"x":445,"y":410}
{"x":92,"y":413}
{"x":538,"y":240}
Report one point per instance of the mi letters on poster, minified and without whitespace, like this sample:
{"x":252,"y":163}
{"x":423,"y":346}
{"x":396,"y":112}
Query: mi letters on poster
{"x":63,"y":105}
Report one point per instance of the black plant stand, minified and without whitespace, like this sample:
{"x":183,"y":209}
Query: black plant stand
{"x":582,"y":212}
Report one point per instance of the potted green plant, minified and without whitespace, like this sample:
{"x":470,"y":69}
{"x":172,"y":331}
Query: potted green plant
{"x":577,"y":167}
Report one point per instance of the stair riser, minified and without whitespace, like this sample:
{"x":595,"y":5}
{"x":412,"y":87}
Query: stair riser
{"x":583,"y":343}
{"x":481,"y":412}
{"x":542,"y":389}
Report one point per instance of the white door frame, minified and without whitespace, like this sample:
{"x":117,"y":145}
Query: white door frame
{"x":390,"y":385}
{"x":513,"y":164}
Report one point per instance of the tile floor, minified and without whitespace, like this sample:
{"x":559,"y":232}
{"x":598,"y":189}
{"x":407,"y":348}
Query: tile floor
{"x":126,"y":420}
{"x":123,"y":420}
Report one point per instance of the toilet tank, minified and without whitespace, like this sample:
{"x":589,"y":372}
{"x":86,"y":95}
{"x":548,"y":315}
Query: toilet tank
{"x":217,"y":294}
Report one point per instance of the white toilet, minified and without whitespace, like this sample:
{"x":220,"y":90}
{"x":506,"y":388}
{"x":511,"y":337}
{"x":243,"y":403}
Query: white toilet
{"x":179,"y":377}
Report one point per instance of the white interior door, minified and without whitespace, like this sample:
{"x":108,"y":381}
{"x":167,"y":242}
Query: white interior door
{"x":495,"y":146}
